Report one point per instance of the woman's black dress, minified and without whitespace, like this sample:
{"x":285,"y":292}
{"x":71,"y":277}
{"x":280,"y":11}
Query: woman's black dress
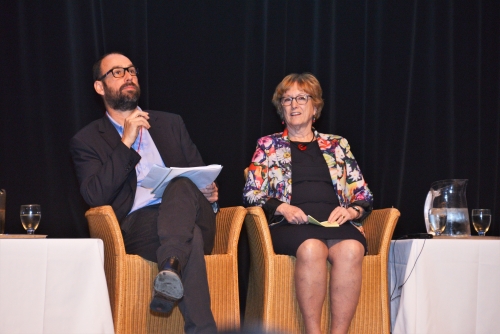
{"x":314,"y":193}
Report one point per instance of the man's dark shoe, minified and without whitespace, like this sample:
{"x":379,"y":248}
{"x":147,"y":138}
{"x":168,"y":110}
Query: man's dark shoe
{"x":160,"y":304}
{"x":167,"y":287}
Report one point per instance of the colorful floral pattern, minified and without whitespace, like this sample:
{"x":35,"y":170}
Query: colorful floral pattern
{"x":270,"y":172}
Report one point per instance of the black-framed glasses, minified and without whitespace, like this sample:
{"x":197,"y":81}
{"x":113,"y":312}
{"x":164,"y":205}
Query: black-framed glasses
{"x":300,"y":99}
{"x":119,"y":72}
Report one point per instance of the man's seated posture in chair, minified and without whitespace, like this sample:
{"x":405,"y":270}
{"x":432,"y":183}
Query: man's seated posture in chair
{"x":112,"y":156}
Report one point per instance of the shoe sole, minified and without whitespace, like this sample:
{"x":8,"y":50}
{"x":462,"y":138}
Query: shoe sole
{"x":160,"y":304}
{"x":169,"y":285}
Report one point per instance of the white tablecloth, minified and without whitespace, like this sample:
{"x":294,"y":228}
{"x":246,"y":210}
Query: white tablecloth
{"x":53,"y":286}
{"x":453,"y":286}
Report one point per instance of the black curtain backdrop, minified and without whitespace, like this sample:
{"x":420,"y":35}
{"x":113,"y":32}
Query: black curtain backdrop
{"x":413,"y":85}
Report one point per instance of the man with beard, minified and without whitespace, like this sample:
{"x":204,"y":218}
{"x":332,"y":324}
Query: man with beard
{"x":112,"y":156}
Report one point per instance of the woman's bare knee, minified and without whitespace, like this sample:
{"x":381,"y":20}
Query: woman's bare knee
{"x":312,"y":249}
{"x":347,"y":250}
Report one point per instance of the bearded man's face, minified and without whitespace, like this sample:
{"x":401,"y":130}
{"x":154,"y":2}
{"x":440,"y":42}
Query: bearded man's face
{"x":124,"y":98}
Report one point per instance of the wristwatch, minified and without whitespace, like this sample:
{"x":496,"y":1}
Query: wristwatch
{"x":357,"y":210}
{"x":215,"y":207}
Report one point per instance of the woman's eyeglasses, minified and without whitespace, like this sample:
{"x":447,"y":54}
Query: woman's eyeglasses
{"x":300,"y":99}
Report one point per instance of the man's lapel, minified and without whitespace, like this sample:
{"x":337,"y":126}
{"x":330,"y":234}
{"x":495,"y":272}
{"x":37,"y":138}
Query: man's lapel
{"x":108,"y":132}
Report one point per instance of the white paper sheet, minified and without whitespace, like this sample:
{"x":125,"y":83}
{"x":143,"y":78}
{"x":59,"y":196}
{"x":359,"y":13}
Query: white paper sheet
{"x":159,"y":177}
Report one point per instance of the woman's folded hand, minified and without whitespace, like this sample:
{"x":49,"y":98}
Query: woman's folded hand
{"x":292,"y":214}
{"x":340,"y":215}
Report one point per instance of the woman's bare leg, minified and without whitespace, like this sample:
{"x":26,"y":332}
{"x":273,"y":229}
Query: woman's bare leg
{"x":311,"y":281}
{"x":346,"y":258}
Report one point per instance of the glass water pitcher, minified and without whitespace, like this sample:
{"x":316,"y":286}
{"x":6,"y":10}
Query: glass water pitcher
{"x":449,"y":194}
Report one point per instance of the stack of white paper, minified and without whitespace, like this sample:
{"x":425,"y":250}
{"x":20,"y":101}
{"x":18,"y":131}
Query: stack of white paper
{"x":159,"y":177}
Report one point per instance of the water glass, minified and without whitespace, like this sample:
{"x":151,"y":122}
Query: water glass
{"x":30,"y":217}
{"x":481,"y":220}
{"x":437,"y":220}
{"x":2,"y":210}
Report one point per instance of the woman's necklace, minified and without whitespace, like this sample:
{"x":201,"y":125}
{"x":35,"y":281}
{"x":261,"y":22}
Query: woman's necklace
{"x":302,"y":146}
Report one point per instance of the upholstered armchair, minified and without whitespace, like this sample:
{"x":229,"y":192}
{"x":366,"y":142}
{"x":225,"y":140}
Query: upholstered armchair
{"x":130,"y":277}
{"x":271,"y":301}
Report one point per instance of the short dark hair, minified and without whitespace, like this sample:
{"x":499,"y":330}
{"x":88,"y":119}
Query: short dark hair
{"x":96,"y":69}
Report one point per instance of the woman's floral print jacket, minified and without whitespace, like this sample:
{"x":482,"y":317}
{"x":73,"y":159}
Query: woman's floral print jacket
{"x":270,"y":172}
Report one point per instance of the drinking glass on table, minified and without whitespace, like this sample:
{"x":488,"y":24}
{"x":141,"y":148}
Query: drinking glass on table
{"x":2,"y":211}
{"x":30,"y":217}
{"x":437,"y":220}
{"x":481,"y":220}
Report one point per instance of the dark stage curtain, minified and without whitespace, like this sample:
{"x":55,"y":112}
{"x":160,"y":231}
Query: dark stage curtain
{"x":413,"y":85}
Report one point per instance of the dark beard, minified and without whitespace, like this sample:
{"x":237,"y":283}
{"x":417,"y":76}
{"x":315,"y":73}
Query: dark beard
{"x":120,"y":101}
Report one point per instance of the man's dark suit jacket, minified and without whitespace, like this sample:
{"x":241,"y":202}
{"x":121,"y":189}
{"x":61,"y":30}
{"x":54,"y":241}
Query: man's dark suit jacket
{"x":105,"y":167}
